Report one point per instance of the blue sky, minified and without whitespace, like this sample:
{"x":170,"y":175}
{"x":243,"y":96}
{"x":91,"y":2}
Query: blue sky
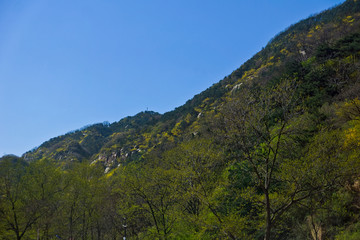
{"x":65,"y":64}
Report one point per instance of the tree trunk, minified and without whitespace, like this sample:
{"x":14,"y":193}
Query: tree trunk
{"x":268,"y":215}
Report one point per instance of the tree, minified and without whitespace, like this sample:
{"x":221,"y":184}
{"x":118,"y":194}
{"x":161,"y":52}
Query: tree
{"x":29,"y":196}
{"x":151,"y":194}
{"x":12,"y":204}
{"x":260,"y":129}
{"x":43,"y":188}
{"x":81,"y":215}
{"x":198,"y":166}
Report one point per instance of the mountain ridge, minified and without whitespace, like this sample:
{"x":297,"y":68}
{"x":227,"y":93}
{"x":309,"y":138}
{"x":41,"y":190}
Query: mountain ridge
{"x":270,"y":152}
{"x":284,"y":47}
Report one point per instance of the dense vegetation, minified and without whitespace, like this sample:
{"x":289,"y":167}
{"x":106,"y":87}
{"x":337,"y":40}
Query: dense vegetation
{"x":270,"y":152}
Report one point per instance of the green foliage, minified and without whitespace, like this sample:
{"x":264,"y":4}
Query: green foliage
{"x":270,"y":152}
{"x":352,"y":233}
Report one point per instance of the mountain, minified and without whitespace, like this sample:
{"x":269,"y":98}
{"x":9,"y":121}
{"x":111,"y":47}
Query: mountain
{"x":269,"y":152}
{"x":131,"y":137}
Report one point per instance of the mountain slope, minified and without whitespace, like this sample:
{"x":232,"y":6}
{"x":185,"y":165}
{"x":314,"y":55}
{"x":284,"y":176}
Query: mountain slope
{"x":131,"y":137}
{"x":270,"y":152}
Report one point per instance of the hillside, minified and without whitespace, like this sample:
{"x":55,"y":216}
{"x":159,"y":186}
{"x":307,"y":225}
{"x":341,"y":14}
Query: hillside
{"x":269,"y":152}
{"x":129,"y":138}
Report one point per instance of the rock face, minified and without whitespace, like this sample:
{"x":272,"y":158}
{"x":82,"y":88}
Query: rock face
{"x":236,"y":87}
{"x":111,"y":160}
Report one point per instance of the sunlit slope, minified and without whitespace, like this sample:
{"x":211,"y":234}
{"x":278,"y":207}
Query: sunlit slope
{"x":328,"y":35}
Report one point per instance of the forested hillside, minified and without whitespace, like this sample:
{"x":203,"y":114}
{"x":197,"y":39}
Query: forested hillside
{"x":270,"y":152}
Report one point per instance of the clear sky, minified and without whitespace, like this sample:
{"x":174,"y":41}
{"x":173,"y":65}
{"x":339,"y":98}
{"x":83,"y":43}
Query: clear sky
{"x":65,"y":64}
